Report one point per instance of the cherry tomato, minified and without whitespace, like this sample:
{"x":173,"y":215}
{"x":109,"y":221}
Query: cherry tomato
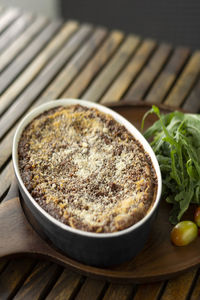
{"x":184,"y":233}
{"x":197,"y":216}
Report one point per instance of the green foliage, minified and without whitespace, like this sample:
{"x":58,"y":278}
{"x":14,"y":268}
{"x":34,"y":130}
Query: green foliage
{"x":176,"y":143}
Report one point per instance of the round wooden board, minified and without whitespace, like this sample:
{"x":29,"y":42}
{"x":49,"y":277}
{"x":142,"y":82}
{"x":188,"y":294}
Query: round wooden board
{"x":157,"y":261}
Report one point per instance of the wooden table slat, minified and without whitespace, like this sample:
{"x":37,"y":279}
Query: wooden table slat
{"x":103,"y":54}
{"x":39,"y":83}
{"x":71,"y":47}
{"x":5,"y":148}
{"x":129,"y":74}
{"x":183,"y":282}
{"x":42,"y":79}
{"x":3,"y":262}
{"x":119,"y":292}
{"x":166,"y":79}
{"x":35,"y":288}
{"x":6,"y":177}
{"x":185,"y":82}
{"x":105,"y":78}
{"x":91,"y":289}
{"x":195,"y":294}
{"x":15,"y":30}
{"x":23,"y":60}
{"x":66,"y":286}
{"x":192,"y":103}
{"x":8,"y":17}
{"x":22,"y":41}
{"x":144,"y":81}
{"x":14,"y":275}
{"x":149,"y":291}
{"x":74,"y":66}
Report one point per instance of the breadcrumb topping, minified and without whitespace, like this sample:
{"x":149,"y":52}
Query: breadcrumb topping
{"x":86,"y":169}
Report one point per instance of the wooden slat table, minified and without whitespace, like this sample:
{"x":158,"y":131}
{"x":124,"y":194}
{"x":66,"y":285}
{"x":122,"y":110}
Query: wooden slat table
{"x":42,"y":60}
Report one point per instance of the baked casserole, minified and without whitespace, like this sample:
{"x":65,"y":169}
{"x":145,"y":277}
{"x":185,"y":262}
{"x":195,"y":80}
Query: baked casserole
{"x":86,"y":170}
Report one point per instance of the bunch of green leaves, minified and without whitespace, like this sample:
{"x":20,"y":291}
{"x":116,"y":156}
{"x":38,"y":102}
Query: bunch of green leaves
{"x":176,"y":143}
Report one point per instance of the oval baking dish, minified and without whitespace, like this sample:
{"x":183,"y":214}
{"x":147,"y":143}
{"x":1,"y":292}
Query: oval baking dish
{"x":97,"y":249}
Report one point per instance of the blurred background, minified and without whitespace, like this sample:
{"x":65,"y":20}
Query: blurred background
{"x":173,"y":21}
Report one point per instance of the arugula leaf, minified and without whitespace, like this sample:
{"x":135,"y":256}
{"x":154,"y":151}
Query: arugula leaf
{"x":176,"y":143}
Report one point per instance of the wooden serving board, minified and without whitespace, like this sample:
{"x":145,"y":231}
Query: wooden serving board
{"x":158,"y":260}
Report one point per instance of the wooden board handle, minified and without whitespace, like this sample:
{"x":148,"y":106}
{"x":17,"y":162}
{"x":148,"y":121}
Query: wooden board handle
{"x":16,"y":235}
{"x":13,"y":235}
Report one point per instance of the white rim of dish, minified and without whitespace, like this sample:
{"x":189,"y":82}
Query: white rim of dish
{"x":131,"y":128}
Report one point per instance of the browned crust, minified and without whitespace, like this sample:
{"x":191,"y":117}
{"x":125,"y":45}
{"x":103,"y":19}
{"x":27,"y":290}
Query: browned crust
{"x":86,"y":170}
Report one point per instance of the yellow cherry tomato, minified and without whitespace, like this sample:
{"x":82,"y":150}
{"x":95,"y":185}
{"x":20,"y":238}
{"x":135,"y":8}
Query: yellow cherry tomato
{"x":197,"y":216}
{"x":184,"y":233}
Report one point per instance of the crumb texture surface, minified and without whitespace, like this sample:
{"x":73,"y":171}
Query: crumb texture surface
{"x":86,"y":170}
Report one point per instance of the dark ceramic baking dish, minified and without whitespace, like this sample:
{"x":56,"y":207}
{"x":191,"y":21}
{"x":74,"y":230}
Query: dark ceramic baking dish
{"x":97,"y":249}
